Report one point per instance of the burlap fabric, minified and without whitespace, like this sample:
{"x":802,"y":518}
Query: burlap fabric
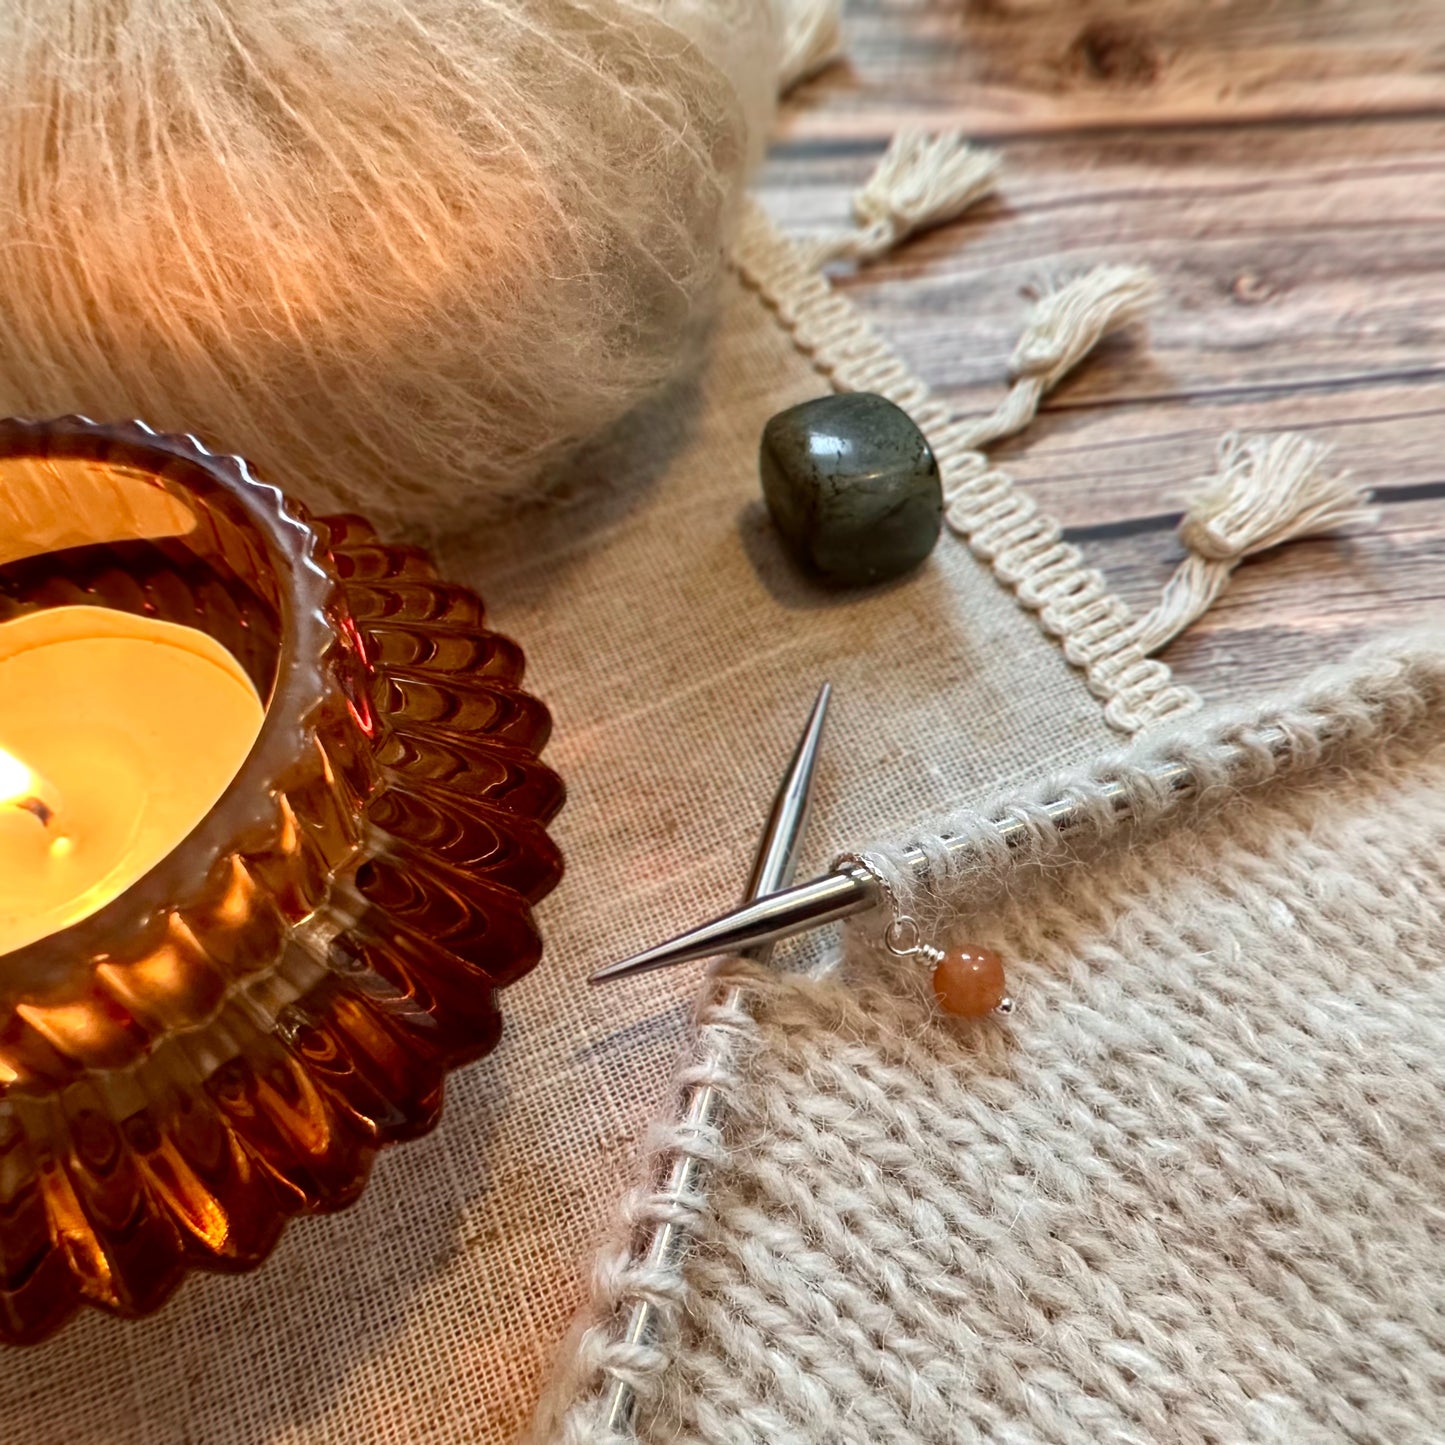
{"x":679,"y":652}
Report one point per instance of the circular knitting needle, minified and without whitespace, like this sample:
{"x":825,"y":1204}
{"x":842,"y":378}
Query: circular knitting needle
{"x":773,"y":868}
{"x":851,"y":890}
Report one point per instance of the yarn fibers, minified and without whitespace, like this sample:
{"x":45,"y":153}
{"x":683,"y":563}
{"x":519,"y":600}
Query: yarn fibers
{"x":1189,"y":1193}
{"x":402,"y":254}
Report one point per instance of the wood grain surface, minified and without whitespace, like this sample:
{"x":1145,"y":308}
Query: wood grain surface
{"x":1281,"y":165}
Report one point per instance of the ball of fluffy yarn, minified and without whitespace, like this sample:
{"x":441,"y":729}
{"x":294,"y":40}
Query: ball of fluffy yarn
{"x":403,"y":254}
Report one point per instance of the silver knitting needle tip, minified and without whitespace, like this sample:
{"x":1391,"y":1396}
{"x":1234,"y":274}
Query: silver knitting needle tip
{"x":765,"y":920}
{"x":846,"y":891}
{"x":777,"y":856}
{"x":704,"y":1109}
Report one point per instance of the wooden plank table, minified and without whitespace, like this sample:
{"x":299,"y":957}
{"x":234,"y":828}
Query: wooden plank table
{"x":1281,"y":167}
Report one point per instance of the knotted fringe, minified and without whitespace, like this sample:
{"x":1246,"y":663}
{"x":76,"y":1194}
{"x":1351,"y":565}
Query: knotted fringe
{"x":1266,"y":492}
{"x":1065,"y":325}
{"x":922,"y":181}
{"x":1024,"y":546}
{"x":812,"y":40}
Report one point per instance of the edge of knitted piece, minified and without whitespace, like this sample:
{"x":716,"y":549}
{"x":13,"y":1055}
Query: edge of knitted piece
{"x":1336,"y":716}
{"x":605,"y":1346}
{"x":1023,"y":545}
{"x":1333,"y":717}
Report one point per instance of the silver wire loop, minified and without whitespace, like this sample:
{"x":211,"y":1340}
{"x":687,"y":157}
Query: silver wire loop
{"x":866,"y":865}
{"x":903,"y":937}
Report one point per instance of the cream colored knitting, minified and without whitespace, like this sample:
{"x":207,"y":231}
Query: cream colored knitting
{"x":1190,"y":1192}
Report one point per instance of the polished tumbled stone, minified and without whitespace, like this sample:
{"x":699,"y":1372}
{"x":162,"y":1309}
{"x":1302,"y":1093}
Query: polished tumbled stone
{"x":852,"y":486}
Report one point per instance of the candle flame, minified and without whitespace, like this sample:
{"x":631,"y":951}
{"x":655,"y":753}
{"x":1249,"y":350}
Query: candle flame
{"x":27,"y":791}
{"x":17,"y":782}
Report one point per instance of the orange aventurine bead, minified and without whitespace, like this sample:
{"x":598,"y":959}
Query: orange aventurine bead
{"x":969,"y":982}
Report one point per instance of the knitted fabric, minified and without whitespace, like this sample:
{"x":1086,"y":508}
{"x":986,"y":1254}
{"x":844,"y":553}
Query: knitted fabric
{"x":1190,"y":1192}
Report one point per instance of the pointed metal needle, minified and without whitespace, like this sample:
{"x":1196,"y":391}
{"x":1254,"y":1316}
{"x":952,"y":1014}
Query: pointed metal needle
{"x":777,"y":856}
{"x":847,"y":891}
{"x":764,"y":920}
{"x":773,"y":868}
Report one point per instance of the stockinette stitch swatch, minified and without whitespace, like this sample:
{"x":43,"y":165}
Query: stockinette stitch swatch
{"x":1190,"y":1192}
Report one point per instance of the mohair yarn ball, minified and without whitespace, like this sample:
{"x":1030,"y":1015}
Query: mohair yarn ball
{"x":402,"y":254}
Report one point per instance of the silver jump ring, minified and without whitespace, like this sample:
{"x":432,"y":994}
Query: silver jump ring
{"x":903,"y":938}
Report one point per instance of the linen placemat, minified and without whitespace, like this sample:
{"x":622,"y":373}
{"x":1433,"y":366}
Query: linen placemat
{"x":679,"y":652}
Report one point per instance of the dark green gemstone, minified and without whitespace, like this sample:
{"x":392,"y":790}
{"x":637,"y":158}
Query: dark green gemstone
{"x":853,"y":487}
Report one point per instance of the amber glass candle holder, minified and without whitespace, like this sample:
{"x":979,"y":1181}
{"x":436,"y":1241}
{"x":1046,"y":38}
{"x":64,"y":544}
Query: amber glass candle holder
{"x":229,"y":1041}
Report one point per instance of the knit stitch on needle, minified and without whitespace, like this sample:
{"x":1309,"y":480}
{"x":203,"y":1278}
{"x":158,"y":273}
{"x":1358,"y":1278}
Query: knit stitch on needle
{"x":1189,"y":1192}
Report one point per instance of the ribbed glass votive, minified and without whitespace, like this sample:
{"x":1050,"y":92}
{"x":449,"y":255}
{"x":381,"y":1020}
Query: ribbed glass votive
{"x":228,"y":1040}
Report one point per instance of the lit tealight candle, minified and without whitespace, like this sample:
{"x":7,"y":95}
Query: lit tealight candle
{"x":25,"y":792}
{"x":118,"y":734}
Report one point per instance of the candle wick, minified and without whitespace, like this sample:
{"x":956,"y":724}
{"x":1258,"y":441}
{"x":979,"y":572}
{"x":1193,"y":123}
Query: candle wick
{"x":28,"y":792}
{"x":38,"y":808}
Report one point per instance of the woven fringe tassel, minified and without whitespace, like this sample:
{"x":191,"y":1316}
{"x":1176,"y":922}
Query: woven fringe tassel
{"x":812,"y":40}
{"x":1267,"y":491}
{"x":922,"y":181}
{"x":1063,"y":328}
